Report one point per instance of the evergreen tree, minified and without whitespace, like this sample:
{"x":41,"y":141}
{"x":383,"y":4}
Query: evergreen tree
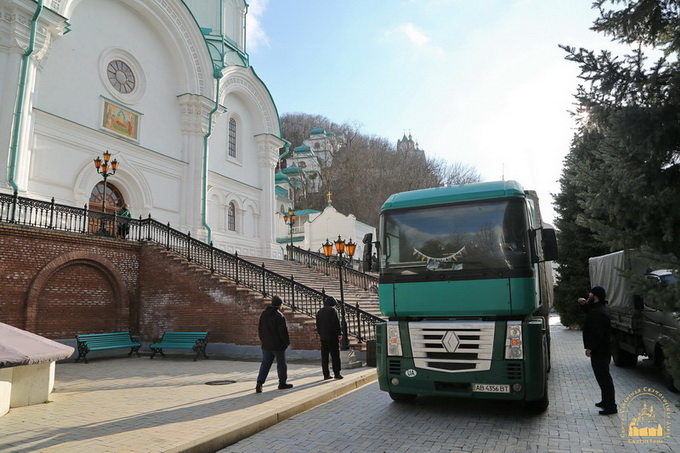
{"x":573,"y":279}
{"x":629,"y":188}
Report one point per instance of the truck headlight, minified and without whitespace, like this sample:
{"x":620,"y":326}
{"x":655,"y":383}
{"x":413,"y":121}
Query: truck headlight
{"x":393,"y":339}
{"x":513,"y":340}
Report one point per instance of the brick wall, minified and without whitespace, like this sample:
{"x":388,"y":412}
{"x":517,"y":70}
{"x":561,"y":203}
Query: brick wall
{"x":58,"y":284}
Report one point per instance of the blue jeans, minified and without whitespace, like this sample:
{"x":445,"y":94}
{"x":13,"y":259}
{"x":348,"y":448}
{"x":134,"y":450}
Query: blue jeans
{"x":281,"y":367}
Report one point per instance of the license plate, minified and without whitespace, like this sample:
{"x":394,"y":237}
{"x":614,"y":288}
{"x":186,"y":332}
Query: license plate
{"x":491,"y":388}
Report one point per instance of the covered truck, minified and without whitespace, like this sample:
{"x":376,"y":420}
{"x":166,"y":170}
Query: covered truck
{"x":639,"y":327}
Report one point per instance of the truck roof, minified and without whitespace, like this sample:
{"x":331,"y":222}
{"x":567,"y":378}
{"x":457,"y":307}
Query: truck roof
{"x":452,"y":194}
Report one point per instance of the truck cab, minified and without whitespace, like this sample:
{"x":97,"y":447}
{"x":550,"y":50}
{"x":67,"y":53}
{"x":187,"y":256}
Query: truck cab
{"x":466,"y":285}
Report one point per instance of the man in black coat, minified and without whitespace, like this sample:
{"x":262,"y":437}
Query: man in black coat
{"x":597,"y":343}
{"x":328,"y":327}
{"x":274,"y":338}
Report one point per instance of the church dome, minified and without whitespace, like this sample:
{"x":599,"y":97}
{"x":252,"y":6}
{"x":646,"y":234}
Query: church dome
{"x":280,"y":177}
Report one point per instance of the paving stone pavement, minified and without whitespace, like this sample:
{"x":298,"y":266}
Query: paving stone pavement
{"x":141,"y":405}
{"x":367,"y":420}
{"x":164,"y":405}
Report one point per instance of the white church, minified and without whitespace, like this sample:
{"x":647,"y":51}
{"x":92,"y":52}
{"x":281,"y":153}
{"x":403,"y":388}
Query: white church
{"x":165,"y":87}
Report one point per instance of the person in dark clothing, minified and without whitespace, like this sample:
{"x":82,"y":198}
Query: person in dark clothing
{"x":597,"y":343}
{"x":328,"y":327}
{"x":274,"y":338}
{"x":124,"y":215}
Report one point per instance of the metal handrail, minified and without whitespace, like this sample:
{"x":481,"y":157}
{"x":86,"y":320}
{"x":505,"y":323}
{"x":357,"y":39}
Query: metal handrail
{"x":328,"y":265}
{"x":42,"y":214}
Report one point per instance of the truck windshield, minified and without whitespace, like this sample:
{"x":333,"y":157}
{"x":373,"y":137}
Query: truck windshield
{"x":488,"y":235}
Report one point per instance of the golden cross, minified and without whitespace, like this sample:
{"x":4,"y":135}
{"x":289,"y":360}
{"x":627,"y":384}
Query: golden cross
{"x":328,"y":195}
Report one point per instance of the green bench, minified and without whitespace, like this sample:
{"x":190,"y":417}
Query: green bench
{"x":101,"y":341}
{"x":197,"y":341}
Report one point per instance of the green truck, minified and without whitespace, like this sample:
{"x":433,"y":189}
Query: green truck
{"x":466,"y":284}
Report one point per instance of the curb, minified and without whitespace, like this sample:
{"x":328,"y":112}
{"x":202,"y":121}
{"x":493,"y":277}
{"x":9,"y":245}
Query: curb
{"x":262,"y":420}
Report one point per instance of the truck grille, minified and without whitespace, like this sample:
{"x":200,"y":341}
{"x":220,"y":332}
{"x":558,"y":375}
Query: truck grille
{"x":452,"y":347}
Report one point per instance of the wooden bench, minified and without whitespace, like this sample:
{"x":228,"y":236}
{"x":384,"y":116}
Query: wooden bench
{"x":101,"y":341}
{"x":181,"y":340}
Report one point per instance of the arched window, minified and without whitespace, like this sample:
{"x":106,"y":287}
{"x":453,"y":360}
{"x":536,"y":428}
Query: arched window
{"x":231,"y":217}
{"x":113,"y":198}
{"x":232,"y":137}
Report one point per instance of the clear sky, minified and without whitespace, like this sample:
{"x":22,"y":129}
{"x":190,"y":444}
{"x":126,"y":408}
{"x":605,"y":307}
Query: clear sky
{"x":481,"y":82}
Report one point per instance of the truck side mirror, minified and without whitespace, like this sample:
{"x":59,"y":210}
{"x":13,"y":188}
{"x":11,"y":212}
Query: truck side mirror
{"x":549,"y":243}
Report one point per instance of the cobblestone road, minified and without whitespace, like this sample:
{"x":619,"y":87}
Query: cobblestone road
{"x":368,"y":421}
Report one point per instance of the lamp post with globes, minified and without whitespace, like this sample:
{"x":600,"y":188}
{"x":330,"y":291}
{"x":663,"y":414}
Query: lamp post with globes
{"x":289,"y":218}
{"x":341,"y":249}
{"x":102,"y":167}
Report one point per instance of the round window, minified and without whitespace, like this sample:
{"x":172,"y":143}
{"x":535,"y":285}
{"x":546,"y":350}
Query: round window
{"x":121,"y":76}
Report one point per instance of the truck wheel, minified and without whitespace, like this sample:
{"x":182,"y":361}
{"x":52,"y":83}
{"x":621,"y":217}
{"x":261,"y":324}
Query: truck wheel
{"x":622,"y":358}
{"x":403,"y":397}
{"x":666,"y":373}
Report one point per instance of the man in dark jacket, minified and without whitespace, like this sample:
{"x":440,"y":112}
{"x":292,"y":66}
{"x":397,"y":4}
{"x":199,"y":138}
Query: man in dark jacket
{"x":328,"y":326}
{"x":274,"y":338}
{"x":597,"y":342}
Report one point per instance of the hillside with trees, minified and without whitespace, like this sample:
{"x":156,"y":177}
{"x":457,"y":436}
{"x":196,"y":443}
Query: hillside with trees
{"x":367,"y":169}
{"x":621,"y":180}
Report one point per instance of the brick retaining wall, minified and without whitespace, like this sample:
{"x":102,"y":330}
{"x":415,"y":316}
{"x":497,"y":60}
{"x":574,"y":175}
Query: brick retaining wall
{"x":58,"y":284}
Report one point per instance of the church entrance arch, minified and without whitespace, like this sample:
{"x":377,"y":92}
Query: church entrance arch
{"x":112,"y":200}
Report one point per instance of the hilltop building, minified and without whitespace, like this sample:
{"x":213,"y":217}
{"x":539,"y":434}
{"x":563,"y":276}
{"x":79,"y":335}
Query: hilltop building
{"x":306,"y":163}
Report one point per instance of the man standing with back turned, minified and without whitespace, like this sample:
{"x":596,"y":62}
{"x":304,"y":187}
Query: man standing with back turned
{"x":274,"y":338}
{"x":597,"y":342}
{"x":328,"y":326}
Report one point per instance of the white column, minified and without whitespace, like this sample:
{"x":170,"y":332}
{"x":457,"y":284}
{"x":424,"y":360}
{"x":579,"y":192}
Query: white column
{"x":268,"y":154}
{"x":195,"y":112}
{"x":15,"y":31}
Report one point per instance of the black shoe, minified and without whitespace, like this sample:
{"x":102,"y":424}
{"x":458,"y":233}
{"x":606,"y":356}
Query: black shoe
{"x":608,"y":412}
{"x":600,"y":404}
{"x":285,"y":386}
{"x":325,"y":378}
{"x":258,"y":388}
{"x":337,"y":376}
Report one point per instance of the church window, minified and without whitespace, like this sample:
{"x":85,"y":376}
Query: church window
{"x":232,"y":137}
{"x":231,"y":217}
{"x":120,"y":76}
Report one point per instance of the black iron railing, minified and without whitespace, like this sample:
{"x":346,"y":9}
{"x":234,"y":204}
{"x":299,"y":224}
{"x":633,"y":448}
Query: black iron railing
{"x":329,"y":266}
{"x":42,"y":214}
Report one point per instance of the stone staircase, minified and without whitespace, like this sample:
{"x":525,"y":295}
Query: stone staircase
{"x":367,"y":299}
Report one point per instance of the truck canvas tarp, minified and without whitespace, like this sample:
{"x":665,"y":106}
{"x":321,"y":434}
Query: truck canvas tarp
{"x":606,"y":271}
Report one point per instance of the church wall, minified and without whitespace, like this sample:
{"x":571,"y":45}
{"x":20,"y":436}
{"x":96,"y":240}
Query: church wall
{"x":72,"y":84}
{"x":245,"y":167}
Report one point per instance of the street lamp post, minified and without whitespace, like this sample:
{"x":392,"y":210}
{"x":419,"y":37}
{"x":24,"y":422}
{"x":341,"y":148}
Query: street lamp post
{"x":290,"y":218}
{"x":341,"y":249}
{"x":102,"y":167}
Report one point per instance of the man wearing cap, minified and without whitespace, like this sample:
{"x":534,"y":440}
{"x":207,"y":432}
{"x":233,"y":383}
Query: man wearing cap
{"x":328,"y":327}
{"x":597,"y":342}
{"x":274,"y":338}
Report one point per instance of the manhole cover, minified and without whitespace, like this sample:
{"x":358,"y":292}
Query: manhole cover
{"x":220,"y":382}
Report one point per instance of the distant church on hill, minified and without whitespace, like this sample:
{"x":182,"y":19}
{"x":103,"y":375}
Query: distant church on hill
{"x":407,"y":145}
{"x":166,"y":87}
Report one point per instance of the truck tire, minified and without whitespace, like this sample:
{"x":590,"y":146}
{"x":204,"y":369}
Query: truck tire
{"x":403,"y":397}
{"x":622,"y":358}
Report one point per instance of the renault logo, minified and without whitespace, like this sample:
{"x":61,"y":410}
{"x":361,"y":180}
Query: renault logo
{"x":450,"y":341}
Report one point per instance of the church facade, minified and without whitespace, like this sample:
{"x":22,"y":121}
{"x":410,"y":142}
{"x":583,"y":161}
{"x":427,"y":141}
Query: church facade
{"x":163,"y":86}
